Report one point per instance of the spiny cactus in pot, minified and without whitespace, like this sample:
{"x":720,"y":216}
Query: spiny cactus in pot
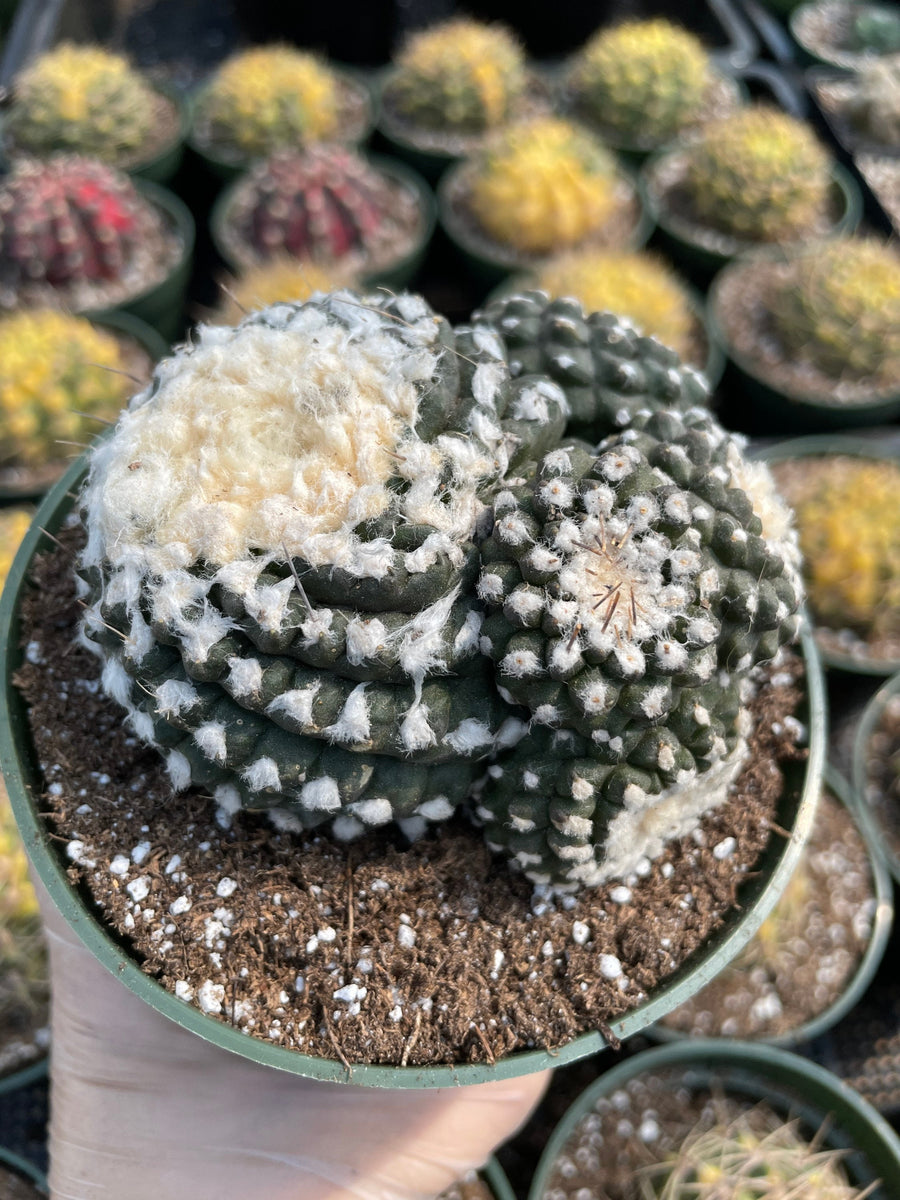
{"x":86,"y":100}
{"x":298,"y":631}
{"x":14,"y":522}
{"x":277,"y":280}
{"x":873,"y":104}
{"x":631,"y":593}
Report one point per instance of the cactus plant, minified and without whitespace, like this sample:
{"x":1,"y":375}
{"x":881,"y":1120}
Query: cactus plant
{"x":759,"y":175}
{"x":636,"y":285}
{"x":874,"y":103}
{"x":876,"y":30}
{"x":326,"y":205}
{"x":282,"y":592}
{"x":642,"y":82}
{"x":460,"y":76}
{"x":14,"y":524}
{"x":752,"y":1155}
{"x":608,"y":371}
{"x":630,"y":594}
{"x":60,"y":378}
{"x":69,"y":223}
{"x":282,"y":278}
{"x":85,"y":100}
{"x":839,"y":309}
{"x":267,"y":98}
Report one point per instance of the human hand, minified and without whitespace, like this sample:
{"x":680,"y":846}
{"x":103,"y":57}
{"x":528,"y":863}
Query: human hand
{"x":144,"y":1110}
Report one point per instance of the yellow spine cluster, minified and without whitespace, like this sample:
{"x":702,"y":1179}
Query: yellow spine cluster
{"x":282,"y":279}
{"x":14,"y":523}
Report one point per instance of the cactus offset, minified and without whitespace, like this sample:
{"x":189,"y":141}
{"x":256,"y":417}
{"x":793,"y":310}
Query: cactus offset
{"x":60,"y":378}
{"x":759,"y":175}
{"x":644,"y":81}
{"x":270,"y":97}
{"x":755,"y":1155}
{"x":543,"y":185}
{"x":82,"y":99}
{"x":300,"y":632}
{"x":630,"y":594}
{"x":461,"y":76}
{"x":636,"y":285}
{"x":840,"y":310}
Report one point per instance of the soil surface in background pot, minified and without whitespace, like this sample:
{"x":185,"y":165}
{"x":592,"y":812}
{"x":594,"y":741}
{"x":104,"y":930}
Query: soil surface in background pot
{"x":806,"y":953}
{"x":883,"y":773}
{"x":376,"y":952}
{"x":470,"y":1188}
{"x":14,"y":1187}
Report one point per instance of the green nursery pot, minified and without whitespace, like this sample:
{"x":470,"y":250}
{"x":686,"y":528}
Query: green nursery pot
{"x":17,"y":1165}
{"x":21,"y":770}
{"x":791,"y":1085}
{"x":817,"y":445}
{"x":162,"y":304}
{"x":867,"y":725}
{"x":493,"y":1176}
{"x":394,"y":276}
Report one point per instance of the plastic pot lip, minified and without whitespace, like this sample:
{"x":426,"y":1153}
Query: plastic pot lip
{"x":820,"y":445}
{"x":495,"y":1177}
{"x":870,"y":717}
{"x":21,"y":1166}
{"x":775,"y":1068}
{"x":868,"y":965}
{"x":24,"y":1076}
{"x":17,"y":758}
{"x":387,"y":166}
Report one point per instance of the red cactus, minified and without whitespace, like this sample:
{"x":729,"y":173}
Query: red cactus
{"x":67,"y":219}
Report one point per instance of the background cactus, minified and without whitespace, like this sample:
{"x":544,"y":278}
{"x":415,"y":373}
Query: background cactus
{"x":608,"y":371}
{"x":876,"y":29}
{"x":630,"y":593}
{"x":643,"y":81}
{"x":758,"y":174}
{"x":461,"y":75}
{"x":299,"y":631}
{"x":326,"y":205}
{"x":543,"y":185}
{"x":14,"y":524}
{"x":875,"y":103}
{"x":68,"y":220}
{"x":754,"y":1155}
{"x":60,"y":378}
{"x":269,"y":97}
{"x":85,"y":100}
{"x":636,"y":285}
{"x":283,"y":278}
{"x":840,"y":310}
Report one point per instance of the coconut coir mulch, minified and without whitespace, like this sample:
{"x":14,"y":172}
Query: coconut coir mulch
{"x":377,"y":952}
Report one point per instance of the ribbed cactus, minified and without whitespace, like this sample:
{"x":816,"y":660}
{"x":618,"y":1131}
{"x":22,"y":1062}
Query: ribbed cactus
{"x":281,"y":551}
{"x":608,"y":370}
{"x":266,"y":98}
{"x":60,"y":378}
{"x":461,"y":76}
{"x":643,"y":81}
{"x":630,"y":593}
{"x":543,"y":185}
{"x":874,"y":106}
{"x":636,"y":285}
{"x":82,"y":99}
{"x":280,"y":279}
{"x":755,"y":1155}
{"x":326,"y":204}
{"x":840,"y":310}
{"x":68,"y":220}
{"x":759,"y":175}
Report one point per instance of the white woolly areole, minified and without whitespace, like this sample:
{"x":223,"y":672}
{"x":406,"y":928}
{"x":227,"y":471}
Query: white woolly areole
{"x":175,"y":695}
{"x":353,"y":723}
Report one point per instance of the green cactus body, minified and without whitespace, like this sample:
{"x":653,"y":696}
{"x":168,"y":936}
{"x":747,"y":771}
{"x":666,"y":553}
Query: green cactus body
{"x":608,"y":370}
{"x":461,"y":76}
{"x":840,"y":310}
{"x":752,"y":1156}
{"x":643,"y":81}
{"x":630,"y":593}
{"x":759,"y":175}
{"x":84,"y":100}
{"x":281,"y":590}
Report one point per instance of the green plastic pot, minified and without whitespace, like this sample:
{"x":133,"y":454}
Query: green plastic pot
{"x":162,"y":304}
{"x":869,"y":721}
{"x":832,"y":56}
{"x":791,"y":1085}
{"x":493,"y":1176}
{"x":782,"y":409}
{"x":700,"y":261}
{"x":226,"y":167}
{"x":394,"y":276}
{"x":844,"y":444}
{"x":19,"y":762}
{"x":489,"y":262}
{"x":868,"y":965}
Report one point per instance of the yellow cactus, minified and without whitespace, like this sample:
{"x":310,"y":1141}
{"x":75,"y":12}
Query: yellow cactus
{"x":268,"y":97}
{"x":280,"y":279}
{"x":57,"y":372}
{"x":543,"y":185}
{"x":14,"y":524}
{"x":24,"y":977}
{"x":637,"y":285}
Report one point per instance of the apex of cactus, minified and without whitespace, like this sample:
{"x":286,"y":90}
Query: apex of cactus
{"x":85,"y":100}
{"x":281,"y":279}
